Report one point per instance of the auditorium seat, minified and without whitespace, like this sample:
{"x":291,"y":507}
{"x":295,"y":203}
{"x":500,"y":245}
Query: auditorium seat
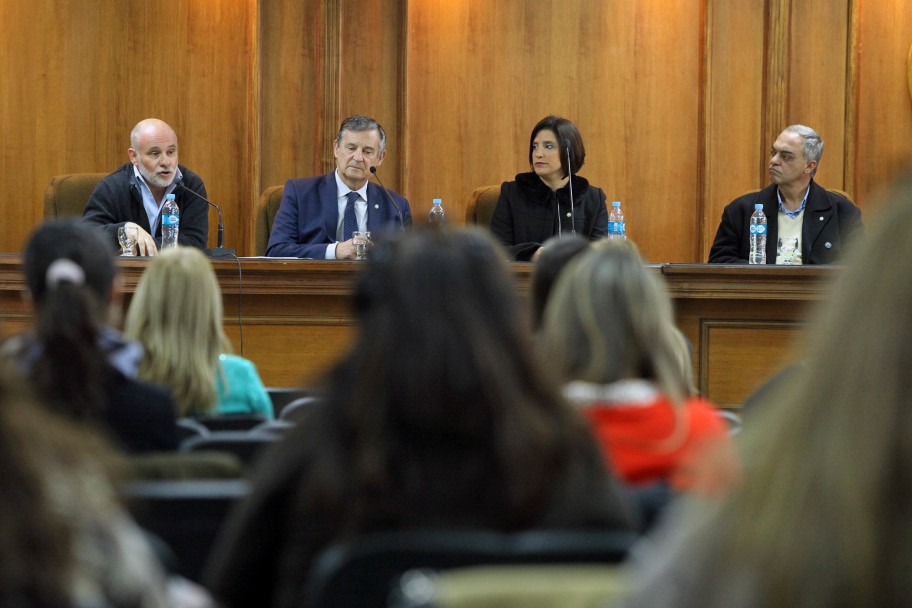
{"x":66,"y":195}
{"x":230,"y":422}
{"x":364,"y":571}
{"x":480,"y":208}
{"x":246,"y":445}
{"x":266,"y":210}
{"x":186,"y":515}
{"x":282,"y":396}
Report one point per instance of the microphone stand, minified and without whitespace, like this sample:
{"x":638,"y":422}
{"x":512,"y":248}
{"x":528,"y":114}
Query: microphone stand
{"x":373,"y":170}
{"x":219,"y":251}
{"x":570,"y":181}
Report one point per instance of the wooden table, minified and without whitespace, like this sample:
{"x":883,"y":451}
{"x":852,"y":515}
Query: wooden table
{"x":743,"y":321}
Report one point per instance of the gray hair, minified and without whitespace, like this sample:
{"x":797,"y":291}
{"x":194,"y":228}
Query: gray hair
{"x":813,"y":144}
{"x":362,"y":123}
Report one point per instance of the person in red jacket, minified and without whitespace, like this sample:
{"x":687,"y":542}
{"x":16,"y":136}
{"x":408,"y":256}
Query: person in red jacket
{"x":608,"y":328}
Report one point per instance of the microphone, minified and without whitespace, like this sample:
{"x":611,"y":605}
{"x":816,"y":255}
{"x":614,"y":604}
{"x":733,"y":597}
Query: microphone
{"x":218,"y":252}
{"x":373,"y":170}
{"x":570,"y":181}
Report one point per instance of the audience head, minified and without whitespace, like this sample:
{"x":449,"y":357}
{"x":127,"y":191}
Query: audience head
{"x":609,"y":318}
{"x":443,"y":357}
{"x":564,"y":132}
{"x":556,"y":253}
{"x":70,"y":274}
{"x":176,"y":313}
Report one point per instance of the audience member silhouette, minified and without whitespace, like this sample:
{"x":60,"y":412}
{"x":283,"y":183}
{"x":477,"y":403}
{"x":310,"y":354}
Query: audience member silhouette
{"x":608,"y":328}
{"x":78,"y":363}
{"x":556,"y":254}
{"x":176,"y":314}
{"x":440,"y":416}
{"x":64,"y":538}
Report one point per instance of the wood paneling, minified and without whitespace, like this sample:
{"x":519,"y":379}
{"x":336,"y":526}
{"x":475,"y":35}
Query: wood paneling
{"x":737,"y":355}
{"x":480,"y":75}
{"x":78,"y":75}
{"x":883,"y":140}
{"x":677,"y":101}
{"x":733,"y":107}
{"x":819,"y":80}
{"x":297,"y":317}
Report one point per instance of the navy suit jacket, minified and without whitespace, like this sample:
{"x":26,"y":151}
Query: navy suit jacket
{"x":308,"y":216}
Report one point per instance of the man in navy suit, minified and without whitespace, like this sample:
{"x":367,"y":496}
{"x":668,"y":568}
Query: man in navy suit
{"x":318,"y":214}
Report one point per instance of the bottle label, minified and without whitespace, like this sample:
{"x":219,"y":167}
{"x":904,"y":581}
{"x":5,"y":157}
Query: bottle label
{"x":171,"y":219}
{"x":615,"y":228}
{"x":761,"y":228}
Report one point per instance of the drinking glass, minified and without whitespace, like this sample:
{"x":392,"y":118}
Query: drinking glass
{"x":361,"y":241}
{"x":127,"y":237}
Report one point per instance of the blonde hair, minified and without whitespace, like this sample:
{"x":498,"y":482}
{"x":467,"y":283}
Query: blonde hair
{"x":176,"y":314}
{"x":609,"y":318}
{"x":822,"y":516}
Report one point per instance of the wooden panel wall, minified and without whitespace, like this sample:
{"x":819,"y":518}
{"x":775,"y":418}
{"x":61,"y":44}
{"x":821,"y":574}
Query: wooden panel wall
{"x":78,"y":75}
{"x":677,"y":101}
{"x":481,"y":74}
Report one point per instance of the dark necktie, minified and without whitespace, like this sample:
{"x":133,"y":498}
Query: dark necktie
{"x":349,"y":221}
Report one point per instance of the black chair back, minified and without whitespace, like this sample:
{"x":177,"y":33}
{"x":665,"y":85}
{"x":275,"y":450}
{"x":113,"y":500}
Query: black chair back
{"x":230,"y":422}
{"x":366,"y":570}
{"x":246,"y":445}
{"x":186,"y":515}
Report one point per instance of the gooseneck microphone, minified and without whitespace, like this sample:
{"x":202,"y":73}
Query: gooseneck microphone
{"x":219,"y":251}
{"x":570,"y":181}
{"x":373,"y":170}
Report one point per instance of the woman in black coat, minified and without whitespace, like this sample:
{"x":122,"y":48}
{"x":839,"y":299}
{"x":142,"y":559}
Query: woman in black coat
{"x":537,"y":205}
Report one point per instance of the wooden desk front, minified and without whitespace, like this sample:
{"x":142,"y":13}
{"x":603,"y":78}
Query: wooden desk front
{"x":296,"y":317}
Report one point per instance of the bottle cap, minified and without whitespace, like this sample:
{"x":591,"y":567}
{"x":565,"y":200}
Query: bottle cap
{"x":437,"y":201}
{"x":758,"y":206}
{"x":616,"y":204}
{"x":170,"y":197}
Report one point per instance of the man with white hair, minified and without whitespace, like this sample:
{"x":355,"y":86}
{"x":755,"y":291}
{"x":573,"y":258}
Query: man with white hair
{"x":806,"y":224}
{"x":135,"y":192}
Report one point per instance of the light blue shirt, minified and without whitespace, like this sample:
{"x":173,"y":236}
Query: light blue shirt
{"x":153,"y":207}
{"x":793,"y":214}
{"x":342,"y":200}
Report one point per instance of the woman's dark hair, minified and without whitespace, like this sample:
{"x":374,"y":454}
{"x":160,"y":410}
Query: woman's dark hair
{"x":70,"y":272}
{"x":566,"y":133}
{"x":556,"y":253}
{"x":443,"y":392}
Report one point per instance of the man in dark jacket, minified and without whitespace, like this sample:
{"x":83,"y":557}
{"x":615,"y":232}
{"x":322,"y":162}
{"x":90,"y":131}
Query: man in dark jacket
{"x":806,"y":224}
{"x":135,"y":192}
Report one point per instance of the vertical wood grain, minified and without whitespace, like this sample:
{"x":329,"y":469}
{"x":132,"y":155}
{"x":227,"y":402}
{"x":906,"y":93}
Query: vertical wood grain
{"x":733,"y":108}
{"x":819,"y":82}
{"x":78,"y":76}
{"x":482,"y":74}
{"x":776,"y":77}
{"x":884,"y":141}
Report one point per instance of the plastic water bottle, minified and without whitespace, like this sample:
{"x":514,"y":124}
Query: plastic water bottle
{"x":437,"y":216}
{"x":170,"y":222}
{"x":616,"y":227}
{"x":757,"y":236}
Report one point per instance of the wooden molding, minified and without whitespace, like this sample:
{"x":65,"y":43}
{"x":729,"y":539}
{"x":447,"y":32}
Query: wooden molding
{"x":776,"y":77}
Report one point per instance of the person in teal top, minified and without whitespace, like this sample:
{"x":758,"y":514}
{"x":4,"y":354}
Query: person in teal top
{"x":239,"y":389}
{"x":176,"y":314}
